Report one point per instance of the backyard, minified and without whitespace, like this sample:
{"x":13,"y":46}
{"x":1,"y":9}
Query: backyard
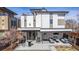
{"x":14,"y":41}
{"x":45,"y":46}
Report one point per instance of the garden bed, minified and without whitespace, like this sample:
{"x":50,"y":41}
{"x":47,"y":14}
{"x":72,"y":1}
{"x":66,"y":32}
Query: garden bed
{"x":65,"y":48}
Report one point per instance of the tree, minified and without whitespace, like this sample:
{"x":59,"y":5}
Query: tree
{"x":71,"y":23}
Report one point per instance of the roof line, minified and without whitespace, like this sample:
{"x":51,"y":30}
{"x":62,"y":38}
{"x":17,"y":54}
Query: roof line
{"x":8,"y":10}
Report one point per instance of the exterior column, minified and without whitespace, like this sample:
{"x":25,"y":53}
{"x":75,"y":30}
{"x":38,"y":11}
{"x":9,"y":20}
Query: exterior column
{"x":26,"y":35}
{"x":31,"y":35}
{"x":36,"y":35}
{"x":39,"y":37}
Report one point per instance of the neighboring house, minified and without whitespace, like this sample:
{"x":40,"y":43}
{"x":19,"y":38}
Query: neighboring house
{"x":43,"y":24}
{"x":6,"y":17}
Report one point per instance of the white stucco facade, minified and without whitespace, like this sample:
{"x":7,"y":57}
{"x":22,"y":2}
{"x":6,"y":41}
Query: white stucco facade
{"x":55,"y":21}
{"x":38,"y":20}
{"x":42,"y":26}
{"x":42,"y":21}
{"x":29,"y":21}
{"x":45,"y":21}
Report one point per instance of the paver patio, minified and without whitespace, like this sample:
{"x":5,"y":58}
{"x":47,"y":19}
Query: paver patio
{"x":41,"y":46}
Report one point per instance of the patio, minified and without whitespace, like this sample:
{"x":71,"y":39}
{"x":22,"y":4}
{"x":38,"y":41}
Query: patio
{"x":35,"y":47}
{"x":41,"y":46}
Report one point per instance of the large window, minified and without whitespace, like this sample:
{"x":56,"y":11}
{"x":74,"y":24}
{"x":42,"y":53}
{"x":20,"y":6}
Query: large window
{"x":25,"y":21}
{"x":61,"y":22}
{"x":34,"y":22}
{"x":51,"y":21}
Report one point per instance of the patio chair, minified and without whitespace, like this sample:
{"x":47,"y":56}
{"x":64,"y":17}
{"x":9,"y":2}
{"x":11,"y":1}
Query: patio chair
{"x":55,"y":40}
{"x":64,"y":40}
{"x":51,"y":40}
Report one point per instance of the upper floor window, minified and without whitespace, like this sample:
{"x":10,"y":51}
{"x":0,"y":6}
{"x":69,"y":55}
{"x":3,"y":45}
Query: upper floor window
{"x":25,"y":21}
{"x":51,"y":16}
{"x":34,"y":20}
{"x":29,"y":24}
{"x":51,"y":21}
{"x":61,"y":22}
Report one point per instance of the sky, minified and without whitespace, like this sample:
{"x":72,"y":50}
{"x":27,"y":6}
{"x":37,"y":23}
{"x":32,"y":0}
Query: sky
{"x":73,"y":11}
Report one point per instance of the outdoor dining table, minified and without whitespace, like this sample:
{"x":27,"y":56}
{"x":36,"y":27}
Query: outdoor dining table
{"x":29,"y":42}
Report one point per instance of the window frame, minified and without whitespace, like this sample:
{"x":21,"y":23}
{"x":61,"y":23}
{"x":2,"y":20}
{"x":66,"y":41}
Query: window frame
{"x":60,"y":22}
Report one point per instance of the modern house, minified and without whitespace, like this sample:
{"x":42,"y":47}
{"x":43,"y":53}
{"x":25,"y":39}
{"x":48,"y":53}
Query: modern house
{"x":6,"y":17}
{"x":42,"y":25}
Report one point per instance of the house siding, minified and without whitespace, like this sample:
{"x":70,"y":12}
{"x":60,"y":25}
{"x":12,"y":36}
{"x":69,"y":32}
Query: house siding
{"x":29,"y":21}
{"x":45,"y":21}
{"x":55,"y":21}
{"x":38,"y":20}
{"x":22,"y":21}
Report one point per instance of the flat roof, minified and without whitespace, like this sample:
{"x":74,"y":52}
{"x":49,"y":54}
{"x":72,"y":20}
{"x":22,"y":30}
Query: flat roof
{"x":45,"y":29}
{"x":7,"y":10}
{"x":51,"y":11}
{"x":46,"y":11}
